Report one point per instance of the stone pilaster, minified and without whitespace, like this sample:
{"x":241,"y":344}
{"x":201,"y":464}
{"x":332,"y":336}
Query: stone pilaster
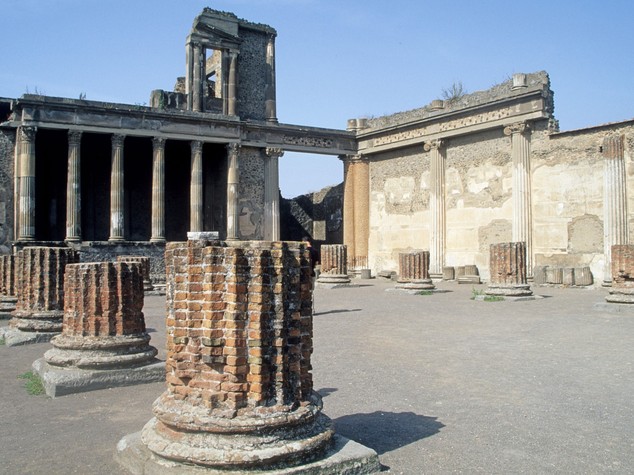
{"x":26,"y":205}
{"x":233,"y":181}
{"x":270,"y":103}
{"x":508,"y":270}
{"x":272,"y":194}
{"x":196,"y":188}
{"x":104,"y":342}
{"x":40,"y":307}
{"x":158,"y":190}
{"x":144,"y":264}
{"x":437,"y":206}
{"x":615,"y":229}
{"x":622,"y":269}
{"x":413,"y":271}
{"x":522,"y":207}
{"x":117,"y":218}
{"x":334,"y":266}
{"x":239,"y":391}
{"x":73,"y":187}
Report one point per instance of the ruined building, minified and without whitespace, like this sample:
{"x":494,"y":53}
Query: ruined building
{"x":452,"y":177}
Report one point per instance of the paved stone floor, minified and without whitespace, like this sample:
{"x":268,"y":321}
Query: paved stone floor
{"x":434,"y":383}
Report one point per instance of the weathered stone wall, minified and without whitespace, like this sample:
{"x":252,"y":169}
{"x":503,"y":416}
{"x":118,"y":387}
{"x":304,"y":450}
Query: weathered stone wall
{"x":318,"y":215}
{"x":7,"y":151}
{"x":251,"y":193}
{"x":252,"y":75}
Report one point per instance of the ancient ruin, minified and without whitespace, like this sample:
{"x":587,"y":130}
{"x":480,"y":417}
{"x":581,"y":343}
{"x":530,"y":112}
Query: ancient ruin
{"x":144,"y":263}
{"x":40,"y":289}
{"x":508,"y":271}
{"x":104,"y":342}
{"x":334,"y":266}
{"x":8,"y":298}
{"x":239,"y":389}
{"x":622,"y":291}
{"x":413,"y":271}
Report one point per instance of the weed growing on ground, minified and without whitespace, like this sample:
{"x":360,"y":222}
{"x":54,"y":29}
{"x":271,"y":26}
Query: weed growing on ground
{"x":493,"y":298}
{"x":475,"y":293}
{"x":2,"y":343}
{"x":424,"y":292}
{"x":32,"y":383}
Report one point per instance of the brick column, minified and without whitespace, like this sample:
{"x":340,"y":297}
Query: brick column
{"x":508,"y":270}
{"x":26,"y":205}
{"x":233,"y":196}
{"x":437,"y":206}
{"x":272,"y":194}
{"x":144,"y":263}
{"x":40,"y":307}
{"x":622,"y":290}
{"x":522,"y":207}
{"x":158,"y":190}
{"x":356,"y":210}
{"x":104,"y":342}
{"x":73,"y":187}
{"x":239,"y":338}
{"x":413,"y":271}
{"x":117,"y":219}
{"x":8,"y":297}
{"x":334,"y":265}
{"x":615,"y":228}
{"x":196,"y":188}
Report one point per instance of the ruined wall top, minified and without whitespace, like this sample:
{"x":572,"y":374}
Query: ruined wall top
{"x":518,"y":85}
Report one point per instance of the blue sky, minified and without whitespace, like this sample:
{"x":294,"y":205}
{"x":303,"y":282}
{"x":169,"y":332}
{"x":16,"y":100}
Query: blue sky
{"x":336,"y":59}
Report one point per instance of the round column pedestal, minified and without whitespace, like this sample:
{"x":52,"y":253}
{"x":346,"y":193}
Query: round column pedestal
{"x":516,"y":290}
{"x":625,"y":296}
{"x":415,"y":284}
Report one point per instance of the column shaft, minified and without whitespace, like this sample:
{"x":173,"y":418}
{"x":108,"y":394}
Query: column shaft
{"x":197,"y":79}
{"x":272,"y":195}
{"x":233,"y":178}
{"x":270,"y":101}
{"x":117,"y":222}
{"x":231,"y":100}
{"x":196,"y":188}
{"x":158,"y":190}
{"x":361,"y":212}
{"x":73,"y":187}
{"x":615,"y":229}
{"x":437,"y":207}
{"x":348,"y":207}
{"x":27,"y":184}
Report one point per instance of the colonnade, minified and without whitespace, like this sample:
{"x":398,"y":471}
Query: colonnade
{"x":25,"y":189}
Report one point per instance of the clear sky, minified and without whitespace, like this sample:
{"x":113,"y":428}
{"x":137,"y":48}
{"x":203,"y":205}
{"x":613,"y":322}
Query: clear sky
{"x":336,"y":59}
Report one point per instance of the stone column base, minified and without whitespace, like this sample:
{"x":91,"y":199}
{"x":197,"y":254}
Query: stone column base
{"x":48,"y":321}
{"x":345,"y":457}
{"x":518,"y":290}
{"x":621,"y":296}
{"x":15,"y":337}
{"x":422,"y":284}
{"x":333,"y":280}
{"x":59,"y":381}
{"x":7,"y":307}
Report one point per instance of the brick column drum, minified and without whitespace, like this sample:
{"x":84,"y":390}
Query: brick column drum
{"x":239,"y":338}
{"x":334,"y":267}
{"x":144,"y":262}
{"x":40,"y":307}
{"x":8,"y":298}
{"x":104,"y":342}
{"x":508,"y":270}
{"x":622,"y":290}
{"x":413,"y":271}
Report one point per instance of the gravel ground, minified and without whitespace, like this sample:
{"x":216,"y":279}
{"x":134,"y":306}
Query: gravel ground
{"x":434,"y":383}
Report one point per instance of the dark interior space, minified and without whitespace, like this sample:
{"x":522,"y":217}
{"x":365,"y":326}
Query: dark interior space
{"x":95,"y":186}
{"x":177,"y":172}
{"x":137,"y":165}
{"x":215,"y":188}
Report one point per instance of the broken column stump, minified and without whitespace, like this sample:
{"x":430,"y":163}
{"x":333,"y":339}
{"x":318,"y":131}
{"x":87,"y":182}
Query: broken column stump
{"x":508,"y":270}
{"x":239,"y":392}
{"x":40,"y":288}
{"x":144,"y":262}
{"x":413,"y":271}
{"x":622,"y":290}
{"x":8,"y":297}
{"x":104,"y":342}
{"x":334,"y":267}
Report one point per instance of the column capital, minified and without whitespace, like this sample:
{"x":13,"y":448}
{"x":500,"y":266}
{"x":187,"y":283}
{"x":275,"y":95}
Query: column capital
{"x":27,"y":134}
{"x":358,"y":157}
{"x":117,"y":140}
{"x":158,"y":142}
{"x":433,"y":144}
{"x":273,"y":152}
{"x":196,"y":146}
{"x":613,"y":146}
{"x":74,"y":137}
{"x":517,"y":128}
{"x":233,"y":148}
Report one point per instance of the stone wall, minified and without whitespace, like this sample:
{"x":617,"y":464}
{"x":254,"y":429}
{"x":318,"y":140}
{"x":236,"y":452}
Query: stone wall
{"x":252,"y":75}
{"x":7,"y":150}
{"x":251,"y":193}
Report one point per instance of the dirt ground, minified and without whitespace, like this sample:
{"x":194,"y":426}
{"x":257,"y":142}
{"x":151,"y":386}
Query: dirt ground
{"x":434,"y":383}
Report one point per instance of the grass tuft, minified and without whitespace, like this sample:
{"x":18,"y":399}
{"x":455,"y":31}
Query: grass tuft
{"x":424,"y":292}
{"x":493,"y":298}
{"x":32,"y":383}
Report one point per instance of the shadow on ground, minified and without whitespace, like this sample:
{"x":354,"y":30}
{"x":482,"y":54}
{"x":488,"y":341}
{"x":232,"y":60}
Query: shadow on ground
{"x":387,"y":431}
{"x":342,"y":310}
